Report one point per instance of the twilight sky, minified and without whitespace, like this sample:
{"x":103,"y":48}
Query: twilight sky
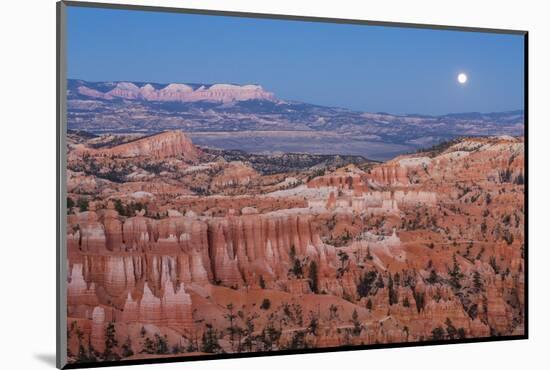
{"x":366,"y":68}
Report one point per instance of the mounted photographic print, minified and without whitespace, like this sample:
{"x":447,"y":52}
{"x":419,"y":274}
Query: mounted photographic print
{"x":235,"y":184}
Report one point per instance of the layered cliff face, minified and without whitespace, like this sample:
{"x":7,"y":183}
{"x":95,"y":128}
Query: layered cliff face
{"x":427,"y":246}
{"x":176,"y":92}
{"x":497,"y":159}
{"x":348,"y":178}
{"x":233,"y":175}
{"x":391,"y":174}
{"x":232,"y":250}
{"x":164,"y":145}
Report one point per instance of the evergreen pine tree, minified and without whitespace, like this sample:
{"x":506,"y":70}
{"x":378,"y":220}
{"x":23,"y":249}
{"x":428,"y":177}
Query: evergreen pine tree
{"x":210,"y":342}
{"x":356,"y":323}
{"x":127,"y":350}
{"x":313,"y":284}
{"x":111,"y":343}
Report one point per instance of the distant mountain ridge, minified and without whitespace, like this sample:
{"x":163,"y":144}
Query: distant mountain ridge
{"x":172,"y":92}
{"x":107,"y":89}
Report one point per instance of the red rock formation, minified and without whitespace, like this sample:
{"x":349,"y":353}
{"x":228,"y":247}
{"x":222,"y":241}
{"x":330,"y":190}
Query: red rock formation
{"x":138,"y":233}
{"x":113,"y":228}
{"x":79,"y":293}
{"x":243,"y":248}
{"x":164,"y":145}
{"x":151,"y":187}
{"x":97,"y":337}
{"x":234,"y":174}
{"x":331,"y":202}
{"x":91,"y":232}
{"x":173,"y":309}
{"x":389,"y":175}
{"x":176,"y":267}
{"x":348,"y":178}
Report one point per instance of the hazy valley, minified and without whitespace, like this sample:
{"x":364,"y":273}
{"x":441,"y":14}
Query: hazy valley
{"x":249,"y":118}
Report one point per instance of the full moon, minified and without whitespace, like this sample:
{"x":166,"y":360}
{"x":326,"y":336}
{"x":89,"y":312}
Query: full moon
{"x":462,"y":78}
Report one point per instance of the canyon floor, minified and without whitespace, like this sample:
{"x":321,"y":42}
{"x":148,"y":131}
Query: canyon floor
{"x":176,"y":249}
